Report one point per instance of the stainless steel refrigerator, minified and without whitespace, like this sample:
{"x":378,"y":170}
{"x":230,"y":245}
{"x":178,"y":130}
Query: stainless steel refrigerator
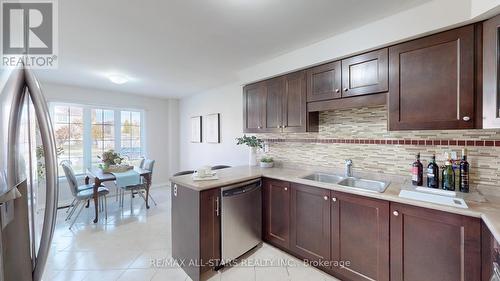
{"x":27,"y":146}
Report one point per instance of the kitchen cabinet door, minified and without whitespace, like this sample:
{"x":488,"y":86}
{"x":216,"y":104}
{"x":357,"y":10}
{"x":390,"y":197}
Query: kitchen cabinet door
{"x":491,"y":81}
{"x":253,"y":107}
{"x":433,"y":245}
{"x":273,"y":105}
{"x":294,"y":103}
{"x":310,"y":222}
{"x":490,"y":253}
{"x":324,"y":82}
{"x":360,"y":235}
{"x":432,"y":82}
{"x":276,"y":204}
{"x":210,"y":228}
{"x":365,"y":74}
{"x":195,"y":229}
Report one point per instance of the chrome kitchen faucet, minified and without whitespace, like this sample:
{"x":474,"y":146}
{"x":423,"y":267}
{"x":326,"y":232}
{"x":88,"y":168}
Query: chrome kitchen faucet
{"x":348,"y":168}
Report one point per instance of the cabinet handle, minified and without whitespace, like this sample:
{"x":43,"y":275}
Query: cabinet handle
{"x":259,"y":127}
{"x":466,"y":118}
{"x":346,"y":89}
{"x":334,"y":199}
{"x":217,"y":206}
{"x":325,"y":197}
{"x":395,"y":213}
{"x":337,"y":90}
{"x":286,"y":188}
{"x":175,"y":190}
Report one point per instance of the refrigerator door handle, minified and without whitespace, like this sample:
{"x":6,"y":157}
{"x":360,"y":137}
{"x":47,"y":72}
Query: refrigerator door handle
{"x":51,"y":181}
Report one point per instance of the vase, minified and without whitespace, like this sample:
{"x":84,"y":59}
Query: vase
{"x":252,"y":156}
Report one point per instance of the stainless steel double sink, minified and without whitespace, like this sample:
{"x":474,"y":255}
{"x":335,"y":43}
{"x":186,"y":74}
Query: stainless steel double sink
{"x":351,"y":182}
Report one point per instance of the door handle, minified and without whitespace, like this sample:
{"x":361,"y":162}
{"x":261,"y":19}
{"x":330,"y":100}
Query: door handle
{"x":52,"y":188}
{"x":217,"y":210}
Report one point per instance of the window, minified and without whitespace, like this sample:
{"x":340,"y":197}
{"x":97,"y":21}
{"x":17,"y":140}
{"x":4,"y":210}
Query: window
{"x":131,"y":134}
{"x":68,"y":130}
{"x":103,"y":132}
{"x":84,"y":132}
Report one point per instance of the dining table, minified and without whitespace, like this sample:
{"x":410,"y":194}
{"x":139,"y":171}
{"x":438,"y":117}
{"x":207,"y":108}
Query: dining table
{"x":99,"y":177}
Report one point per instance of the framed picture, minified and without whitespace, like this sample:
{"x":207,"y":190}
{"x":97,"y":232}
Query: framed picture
{"x":212,"y":128}
{"x":196,"y":129}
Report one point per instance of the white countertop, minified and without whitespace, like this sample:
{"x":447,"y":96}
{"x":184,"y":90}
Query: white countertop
{"x":487,"y":210}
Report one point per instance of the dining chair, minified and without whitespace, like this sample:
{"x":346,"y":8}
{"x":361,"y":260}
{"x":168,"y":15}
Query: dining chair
{"x":218,"y":167}
{"x":146,"y":164}
{"x":82,"y":187}
{"x":182,"y":173}
{"x":82,"y":193}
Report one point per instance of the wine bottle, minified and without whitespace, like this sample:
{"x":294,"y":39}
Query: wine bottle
{"x":464,"y":172}
{"x":417,"y":172}
{"x":448,"y":175}
{"x":433,"y":173}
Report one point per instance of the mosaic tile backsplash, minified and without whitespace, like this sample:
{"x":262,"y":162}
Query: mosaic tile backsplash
{"x":361,"y":134}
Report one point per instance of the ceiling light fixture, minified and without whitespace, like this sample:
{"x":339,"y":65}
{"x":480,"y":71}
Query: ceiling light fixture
{"x":118,"y":79}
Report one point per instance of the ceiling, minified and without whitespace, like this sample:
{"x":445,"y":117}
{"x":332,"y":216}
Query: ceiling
{"x":176,"y":48}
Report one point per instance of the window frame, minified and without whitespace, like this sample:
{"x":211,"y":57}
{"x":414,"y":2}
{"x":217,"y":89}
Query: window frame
{"x":87,"y":127}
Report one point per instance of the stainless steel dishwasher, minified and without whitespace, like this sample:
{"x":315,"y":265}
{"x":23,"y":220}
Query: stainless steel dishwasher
{"x":241,"y":218}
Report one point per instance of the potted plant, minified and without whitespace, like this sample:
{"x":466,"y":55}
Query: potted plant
{"x":253,"y":143}
{"x":266,"y":162}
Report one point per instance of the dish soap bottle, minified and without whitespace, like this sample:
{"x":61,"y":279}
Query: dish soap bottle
{"x":464,"y":172}
{"x":448,"y":177}
{"x":433,"y":173}
{"x":417,"y":172}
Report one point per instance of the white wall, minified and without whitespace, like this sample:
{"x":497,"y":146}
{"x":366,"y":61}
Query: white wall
{"x":161,"y":124}
{"x":227,"y":101}
{"x":431,"y":16}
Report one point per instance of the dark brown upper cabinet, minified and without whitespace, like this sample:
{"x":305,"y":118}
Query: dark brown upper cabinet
{"x":310,"y":222}
{"x":432,"y":82}
{"x":273,"y":105}
{"x":360,"y":235}
{"x":440,"y":246}
{"x":276,"y":105}
{"x":324,"y":82}
{"x":276,"y":212}
{"x":365,"y":74}
{"x":491,"y":81}
{"x":253,"y":107}
{"x":294,"y":103}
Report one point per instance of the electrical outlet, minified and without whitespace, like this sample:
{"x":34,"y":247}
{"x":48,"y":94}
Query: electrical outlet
{"x":266,"y":148}
{"x":453,"y":155}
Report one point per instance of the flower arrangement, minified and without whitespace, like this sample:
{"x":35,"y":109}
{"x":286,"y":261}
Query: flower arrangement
{"x":110,"y":157}
{"x":113,"y":162}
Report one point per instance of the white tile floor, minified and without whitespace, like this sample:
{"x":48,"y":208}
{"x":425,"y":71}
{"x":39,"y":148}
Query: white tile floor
{"x":122,"y":248}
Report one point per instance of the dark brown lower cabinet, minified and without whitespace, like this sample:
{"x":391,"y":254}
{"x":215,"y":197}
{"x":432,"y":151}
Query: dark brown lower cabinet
{"x":276,"y":220}
{"x":195,"y":229}
{"x":360,"y":237}
{"x":490,"y":253}
{"x":433,"y":245}
{"x":310,"y":222}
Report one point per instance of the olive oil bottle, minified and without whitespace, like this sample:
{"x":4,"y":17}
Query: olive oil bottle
{"x":448,"y":175}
